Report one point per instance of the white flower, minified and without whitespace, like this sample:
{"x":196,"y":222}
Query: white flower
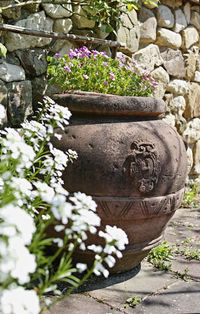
{"x":81,"y":200}
{"x":60,"y":158}
{"x":59,"y":228}
{"x":34,"y":127}
{"x":72,"y":154}
{"x":95,"y":248}
{"x":111,"y":249}
{"x":61,"y":209}
{"x":23,"y":222}
{"x":22,"y":185}
{"x":115,"y":234}
{"x":14,"y":146}
{"x":7,"y":230}
{"x":48,"y":164}
{"x":100,"y":269}
{"x":56,"y":113}
{"x":17,"y":300}
{"x":81,"y":267}
{"x":2,"y":113}
{"x":59,"y":189}
{"x":58,"y":136}
{"x":58,"y":241}
{"x":16,"y":262}
{"x":110,"y":260}
{"x":82,"y":246}
{"x":71,"y":246}
{"x":1,"y":184}
{"x":46,"y":192}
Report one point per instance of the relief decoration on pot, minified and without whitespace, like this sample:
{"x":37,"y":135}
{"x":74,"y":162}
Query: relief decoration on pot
{"x":143,"y":166}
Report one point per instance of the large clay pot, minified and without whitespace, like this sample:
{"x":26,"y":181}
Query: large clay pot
{"x":131,"y":162}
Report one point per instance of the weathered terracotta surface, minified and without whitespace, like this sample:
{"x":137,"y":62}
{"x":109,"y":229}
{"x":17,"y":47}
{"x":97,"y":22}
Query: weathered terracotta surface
{"x":133,"y":164}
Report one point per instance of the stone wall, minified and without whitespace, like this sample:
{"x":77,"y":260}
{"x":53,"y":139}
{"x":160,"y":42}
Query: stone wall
{"x":164,"y":40}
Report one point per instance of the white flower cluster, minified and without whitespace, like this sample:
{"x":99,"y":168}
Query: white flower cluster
{"x":17,"y":300}
{"x":54,"y":114}
{"x":31,"y":180}
{"x":116,"y":240}
{"x":16,"y":226}
{"x":16,"y":262}
{"x":39,"y":133}
{"x":79,"y":213}
{"x":14,"y":147}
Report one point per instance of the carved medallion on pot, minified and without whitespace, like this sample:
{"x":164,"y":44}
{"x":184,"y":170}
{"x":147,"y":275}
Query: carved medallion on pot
{"x":131,"y":162}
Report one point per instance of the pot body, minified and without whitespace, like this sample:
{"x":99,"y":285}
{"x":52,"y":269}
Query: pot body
{"x":135,"y":168}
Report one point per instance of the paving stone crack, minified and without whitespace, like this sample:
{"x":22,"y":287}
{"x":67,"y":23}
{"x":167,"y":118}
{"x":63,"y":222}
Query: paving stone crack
{"x":106,"y":303}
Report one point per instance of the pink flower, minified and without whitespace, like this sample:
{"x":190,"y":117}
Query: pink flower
{"x":85,"y":76}
{"x":106,"y":83}
{"x":105,"y":63}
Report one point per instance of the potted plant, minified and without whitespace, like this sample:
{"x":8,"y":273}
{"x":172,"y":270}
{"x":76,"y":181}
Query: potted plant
{"x":131,"y":162}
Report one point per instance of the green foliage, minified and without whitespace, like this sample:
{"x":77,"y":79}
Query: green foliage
{"x":3,"y":50}
{"x":192,"y":196}
{"x":184,"y":275}
{"x":94,"y":71}
{"x":188,"y":250}
{"x":160,"y":255}
{"x":134,"y":301}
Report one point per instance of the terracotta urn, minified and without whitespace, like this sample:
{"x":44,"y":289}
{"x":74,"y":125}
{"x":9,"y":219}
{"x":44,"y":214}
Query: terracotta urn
{"x":132,"y":163}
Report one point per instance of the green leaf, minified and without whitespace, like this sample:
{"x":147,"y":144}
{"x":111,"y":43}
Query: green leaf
{"x":3,"y":50}
{"x":109,"y":29}
{"x":129,"y":7}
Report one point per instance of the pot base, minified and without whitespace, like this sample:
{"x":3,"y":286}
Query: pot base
{"x":144,"y":220}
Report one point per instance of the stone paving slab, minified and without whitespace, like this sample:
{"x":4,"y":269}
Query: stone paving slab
{"x":184,"y":225}
{"x":192,"y":268}
{"x":80,"y":304}
{"x":146,"y":282}
{"x":181,"y":297}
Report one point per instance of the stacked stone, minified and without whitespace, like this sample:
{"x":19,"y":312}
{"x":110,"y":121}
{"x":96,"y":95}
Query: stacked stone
{"x":171,"y":34}
{"x":168,"y":47}
{"x":164,"y":41}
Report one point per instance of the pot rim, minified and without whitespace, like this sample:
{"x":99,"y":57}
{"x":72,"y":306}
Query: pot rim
{"x":107,"y":104}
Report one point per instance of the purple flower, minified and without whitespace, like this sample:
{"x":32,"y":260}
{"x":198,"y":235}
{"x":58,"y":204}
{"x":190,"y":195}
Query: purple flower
{"x":154,"y":84}
{"x":105,"y":63}
{"x":85,"y":76}
{"x":112,"y":76}
{"x":67,"y":69}
{"x":95,"y":52}
{"x":122,"y":59}
{"x":103,"y":54}
{"x":106,"y":83}
{"x":84,"y":51}
{"x":72,"y":54}
{"x":58,"y":55}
